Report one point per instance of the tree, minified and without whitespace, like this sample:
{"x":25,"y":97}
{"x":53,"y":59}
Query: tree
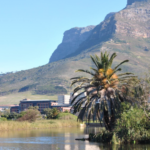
{"x":105,"y":90}
{"x":30,"y":115}
{"x":51,"y":113}
{"x":33,"y":107}
{"x":48,"y":112}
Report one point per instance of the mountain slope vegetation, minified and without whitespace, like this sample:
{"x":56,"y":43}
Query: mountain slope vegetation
{"x":126,"y":32}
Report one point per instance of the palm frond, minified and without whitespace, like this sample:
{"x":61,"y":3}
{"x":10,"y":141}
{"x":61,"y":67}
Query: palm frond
{"x":76,"y":97}
{"x":121,"y":64}
{"x":111,"y":59}
{"x":94,"y":61}
{"x":85,"y":71}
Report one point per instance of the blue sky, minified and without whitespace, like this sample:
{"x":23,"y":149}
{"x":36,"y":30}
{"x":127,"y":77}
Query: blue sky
{"x":30,"y":30}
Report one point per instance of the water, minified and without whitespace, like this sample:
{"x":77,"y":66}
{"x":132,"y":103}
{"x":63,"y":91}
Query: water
{"x":56,"y":139}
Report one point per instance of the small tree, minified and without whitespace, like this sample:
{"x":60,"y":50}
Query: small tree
{"x":33,"y":107}
{"x":30,"y":115}
{"x":51,"y":113}
{"x":48,"y":112}
{"x":13,"y":115}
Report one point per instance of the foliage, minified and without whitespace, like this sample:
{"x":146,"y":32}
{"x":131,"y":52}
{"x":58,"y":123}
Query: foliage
{"x":66,"y":116}
{"x":3,"y":119}
{"x":50,"y":89}
{"x":6,"y":112}
{"x":33,"y":107}
{"x":105,"y":90}
{"x":48,"y":112}
{"x":27,"y":87}
{"x":30,"y":115}
{"x":66,"y":111}
{"x":131,"y":127}
{"x":13,"y":115}
{"x":51,"y":113}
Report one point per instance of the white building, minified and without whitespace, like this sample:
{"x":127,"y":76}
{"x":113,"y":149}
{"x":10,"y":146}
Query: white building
{"x":63,"y":99}
{"x":67,"y":99}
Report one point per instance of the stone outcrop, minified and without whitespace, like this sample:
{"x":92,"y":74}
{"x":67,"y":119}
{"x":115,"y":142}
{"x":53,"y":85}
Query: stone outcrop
{"x":132,"y":21}
{"x":109,"y":15}
{"x":130,"y":2}
{"x":71,"y":41}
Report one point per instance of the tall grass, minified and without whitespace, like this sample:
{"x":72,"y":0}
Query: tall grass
{"x":39,"y":124}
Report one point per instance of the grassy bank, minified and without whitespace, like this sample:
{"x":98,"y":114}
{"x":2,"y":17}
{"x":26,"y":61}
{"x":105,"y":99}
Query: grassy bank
{"x":39,"y":124}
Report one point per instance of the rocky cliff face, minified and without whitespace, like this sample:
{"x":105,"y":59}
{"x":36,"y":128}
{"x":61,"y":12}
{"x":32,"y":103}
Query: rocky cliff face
{"x":134,"y":21}
{"x":109,"y":15}
{"x":130,"y":2}
{"x":71,"y":41}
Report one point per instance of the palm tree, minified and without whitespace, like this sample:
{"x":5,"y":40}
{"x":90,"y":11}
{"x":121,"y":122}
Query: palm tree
{"x":105,"y":90}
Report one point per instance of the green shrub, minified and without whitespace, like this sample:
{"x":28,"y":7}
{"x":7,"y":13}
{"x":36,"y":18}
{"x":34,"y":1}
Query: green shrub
{"x":51,"y":113}
{"x":30,"y":115}
{"x":27,"y":88}
{"x":3,"y":119}
{"x":33,"y":107}
{"x":132,"y":126}
{"x":50,"y":89}
{"x":66,"y":111}
{"x":66,"y":116}
{"x":13,"y":115}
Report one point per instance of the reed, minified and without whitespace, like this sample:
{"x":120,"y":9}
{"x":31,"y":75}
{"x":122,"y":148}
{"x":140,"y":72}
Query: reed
{"x":39,"y":124}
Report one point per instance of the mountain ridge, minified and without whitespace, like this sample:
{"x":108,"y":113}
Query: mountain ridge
{"x":71,"y":41}
{"x":126,"y":33}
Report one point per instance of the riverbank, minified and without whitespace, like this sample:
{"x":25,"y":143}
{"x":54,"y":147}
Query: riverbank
{"x":39,"y":124}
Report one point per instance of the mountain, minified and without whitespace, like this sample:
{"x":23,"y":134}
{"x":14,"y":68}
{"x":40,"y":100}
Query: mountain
{"x":130,"y":2}
{"x":126,"y":32}
{"x":71,"y":41}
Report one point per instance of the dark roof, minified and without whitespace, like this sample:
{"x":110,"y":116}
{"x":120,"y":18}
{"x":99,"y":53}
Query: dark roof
{"x":63,"y":105}
{"x":14,"y":106}
{"x":42,"y":100}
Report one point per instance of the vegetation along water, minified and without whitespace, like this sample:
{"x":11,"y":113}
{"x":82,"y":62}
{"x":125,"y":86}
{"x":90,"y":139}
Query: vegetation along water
{"x":119,"y":101}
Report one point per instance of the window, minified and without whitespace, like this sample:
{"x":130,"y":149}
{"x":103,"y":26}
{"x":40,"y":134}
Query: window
{"x":43,"y":106}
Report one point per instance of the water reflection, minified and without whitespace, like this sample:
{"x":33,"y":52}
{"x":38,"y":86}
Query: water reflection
{"x":54,"y":139}
{"x":57,"y":139}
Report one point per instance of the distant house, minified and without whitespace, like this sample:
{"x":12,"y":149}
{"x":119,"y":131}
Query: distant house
{"x":15,"y":109}
{"x":63,"y":104}
{"x":42,"y":104}
{"x":3,"y":107}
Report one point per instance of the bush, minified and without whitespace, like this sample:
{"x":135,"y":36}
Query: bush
{"x":51,"y":113}
{"x":3,"y":119}
{"x":27,"y":88}
{"x":13,"y":115}
{"x":30,"y":115}
{"x":22,"y":114}
{"x":66,"y":116}
{"x":66,"y":111}
{"x":33,"y":107}
{"x":50,"y":89}
{"x":132,"y":126}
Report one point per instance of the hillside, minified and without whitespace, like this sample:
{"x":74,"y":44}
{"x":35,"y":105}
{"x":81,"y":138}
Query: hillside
{"x":126,"y":32}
